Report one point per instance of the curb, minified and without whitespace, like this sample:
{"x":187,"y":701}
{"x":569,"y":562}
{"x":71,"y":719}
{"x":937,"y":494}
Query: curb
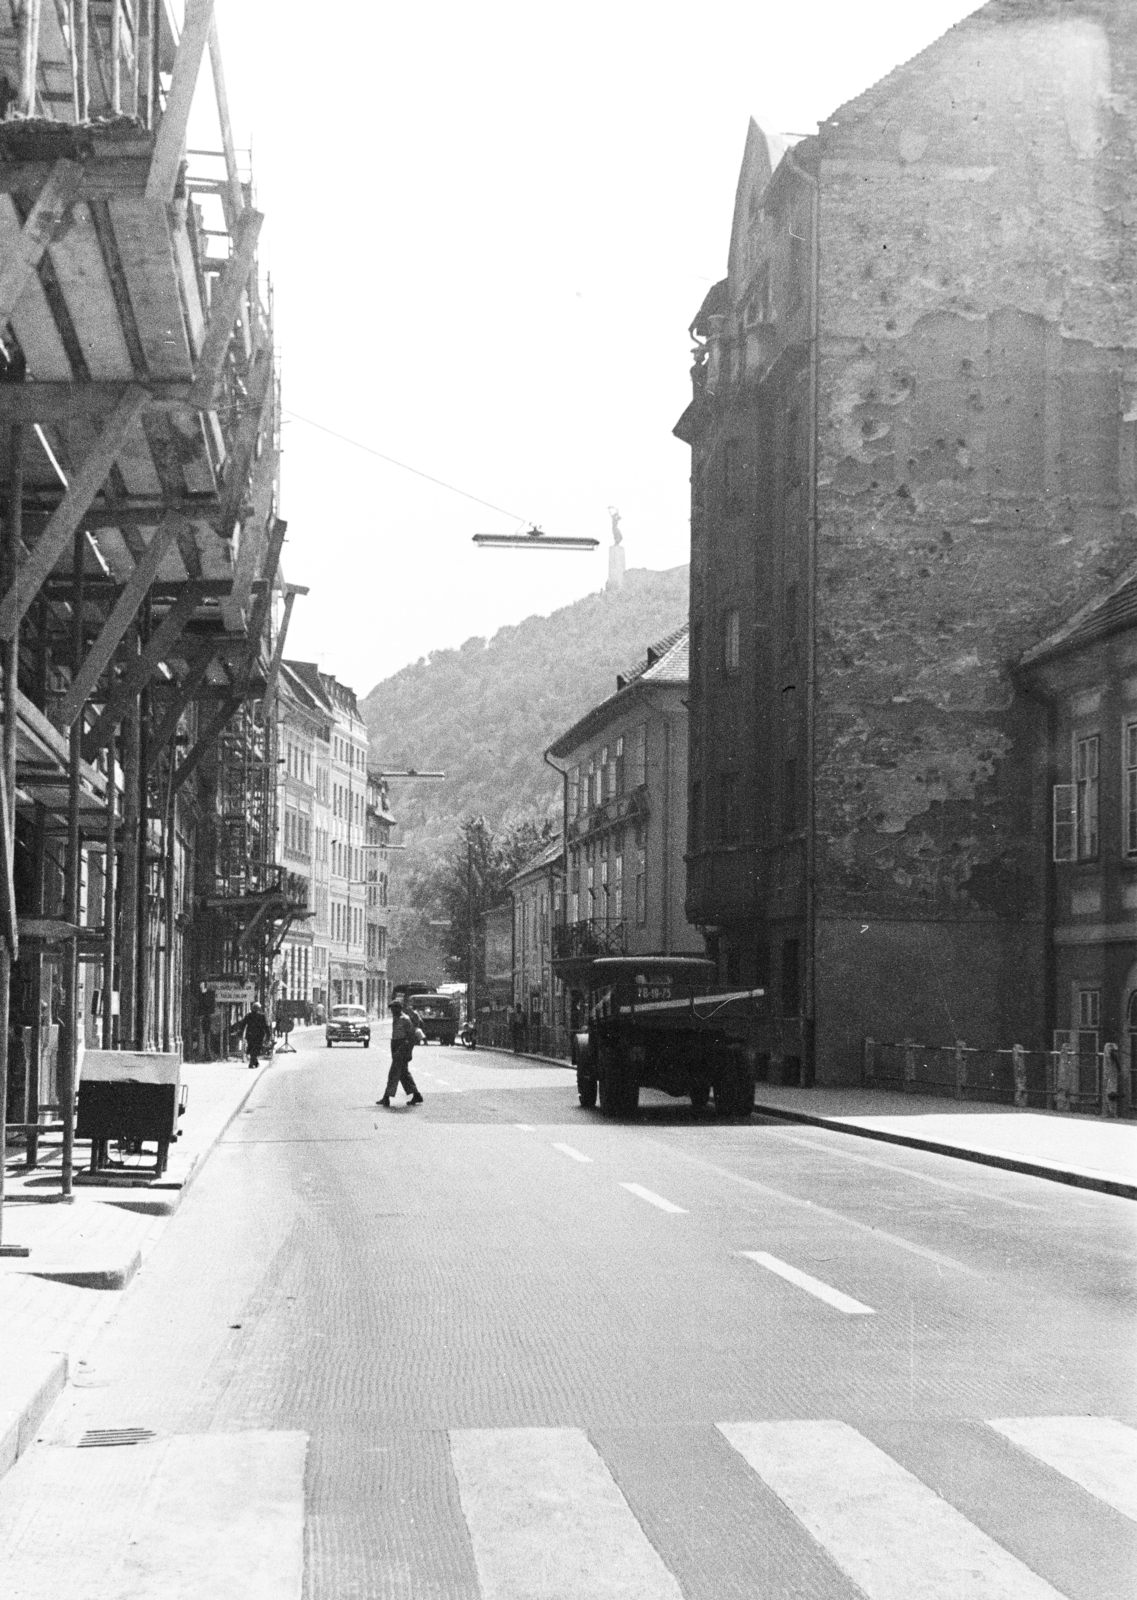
{"x":984,"y":1158}
{"x":19,"y":1427}
{"x":176,"y":1187}
{"x":116,"y":1277}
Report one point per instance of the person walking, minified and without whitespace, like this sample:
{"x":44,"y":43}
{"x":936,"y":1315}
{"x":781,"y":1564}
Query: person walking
{"x":402,"y":1045}
{"x":257,"y":1032}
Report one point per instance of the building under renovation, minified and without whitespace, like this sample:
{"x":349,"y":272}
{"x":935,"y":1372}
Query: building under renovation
{"x":142,"y":610}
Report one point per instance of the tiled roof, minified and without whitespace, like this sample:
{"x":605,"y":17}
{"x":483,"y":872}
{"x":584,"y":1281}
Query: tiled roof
{"x":307,"y":673}
{"x":665,"y":662}
{"x":553,"y":851}
{"x":1109,"y":613}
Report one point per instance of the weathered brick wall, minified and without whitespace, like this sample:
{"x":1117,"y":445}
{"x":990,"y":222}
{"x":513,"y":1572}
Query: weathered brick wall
{"x":978,"y":225}
{"x":978,"y":293}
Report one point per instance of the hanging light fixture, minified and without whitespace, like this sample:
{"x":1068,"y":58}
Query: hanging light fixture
{"x":535,"y":539}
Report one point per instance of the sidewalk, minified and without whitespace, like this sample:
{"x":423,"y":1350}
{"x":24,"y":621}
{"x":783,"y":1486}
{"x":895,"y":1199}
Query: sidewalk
{"x":54,"y":1300}
{"x":1067,"y":1148}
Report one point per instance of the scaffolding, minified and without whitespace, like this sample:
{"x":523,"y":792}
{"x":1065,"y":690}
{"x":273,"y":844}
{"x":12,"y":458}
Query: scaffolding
{"x":142,"y":610}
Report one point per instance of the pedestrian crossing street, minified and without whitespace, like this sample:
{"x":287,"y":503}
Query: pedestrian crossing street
{"x":547,"y":1515}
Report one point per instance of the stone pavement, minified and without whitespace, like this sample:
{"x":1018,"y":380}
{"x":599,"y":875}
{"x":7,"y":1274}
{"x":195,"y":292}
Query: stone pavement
{"x":54,"y":1300}
{"x":1088,"y":1152}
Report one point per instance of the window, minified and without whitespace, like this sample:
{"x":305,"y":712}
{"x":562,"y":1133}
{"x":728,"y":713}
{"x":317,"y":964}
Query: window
{"x":602,"y":775}
{"x":730,"y":641}
{"x":619,"y":765}
{"x":791,"y":978}
{"x":574,"y":792}
{"x":1131,"y":789}
{"x":1086,"y":752}
{"x":695,"y":831}
{"x":641,"y":876}
{"x":591,"y":782}
{"x":728,"y":808}
{"x":1089,"y":1008}
{"x":639,"y":756}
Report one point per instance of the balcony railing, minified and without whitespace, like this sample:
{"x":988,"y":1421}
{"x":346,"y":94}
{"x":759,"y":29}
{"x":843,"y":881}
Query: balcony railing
{"x":602,"y":936}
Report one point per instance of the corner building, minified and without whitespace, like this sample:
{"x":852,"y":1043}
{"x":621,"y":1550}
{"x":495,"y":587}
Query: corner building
{"x":913,"y":458}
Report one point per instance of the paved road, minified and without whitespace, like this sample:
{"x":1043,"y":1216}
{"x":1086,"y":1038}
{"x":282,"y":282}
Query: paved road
{"x":530,"y":1354}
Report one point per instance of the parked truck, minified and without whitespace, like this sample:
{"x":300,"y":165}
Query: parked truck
{"x":659,"y":1022}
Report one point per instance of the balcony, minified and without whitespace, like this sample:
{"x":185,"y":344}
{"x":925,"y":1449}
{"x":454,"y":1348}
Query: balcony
{"x":610,"y":812}
{"x":602,"y":936}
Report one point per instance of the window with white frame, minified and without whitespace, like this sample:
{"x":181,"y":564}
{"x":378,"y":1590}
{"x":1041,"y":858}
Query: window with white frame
{"x":1086,"y":759}
{"x":1089,"y":1008}
{"x":1130,"y":778}
{"x":1074,"y":820}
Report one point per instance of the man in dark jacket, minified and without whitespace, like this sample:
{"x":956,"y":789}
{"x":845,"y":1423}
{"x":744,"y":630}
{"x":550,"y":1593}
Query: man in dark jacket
{"x":257,"y":1033}
{"x":402,"y":1043}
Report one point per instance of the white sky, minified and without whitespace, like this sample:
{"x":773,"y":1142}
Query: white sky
{"x":488,"y":229}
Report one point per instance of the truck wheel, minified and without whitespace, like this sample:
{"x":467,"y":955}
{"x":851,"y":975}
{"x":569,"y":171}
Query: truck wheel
{"x":586,"y":1089}
{"x":734,"y":1091}
{"x":619,"y":1090}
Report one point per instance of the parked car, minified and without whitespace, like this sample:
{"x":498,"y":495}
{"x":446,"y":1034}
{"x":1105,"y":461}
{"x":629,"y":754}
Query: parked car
{"x":348,"y":1025}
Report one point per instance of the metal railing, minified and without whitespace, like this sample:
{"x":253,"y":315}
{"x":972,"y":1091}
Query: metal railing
{"x":599,"y":936}
{"x":1066,"y":1079}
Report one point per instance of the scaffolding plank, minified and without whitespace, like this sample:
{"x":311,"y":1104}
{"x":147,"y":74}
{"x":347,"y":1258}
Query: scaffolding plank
{"x":183,"y":254}
{"x":143,"y":237}
{"x":169,"y":146}
{"x":84,"y":486}
{"x":25,"y":245}
{"x":137,"y":464}
{"x":87,"y":293}
{"x":197,"y":468}
{"x":119,"y":620}
{"x":31,"y":318}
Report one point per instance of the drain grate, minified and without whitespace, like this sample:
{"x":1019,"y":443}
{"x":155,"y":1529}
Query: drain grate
{"x":103,"y":1438}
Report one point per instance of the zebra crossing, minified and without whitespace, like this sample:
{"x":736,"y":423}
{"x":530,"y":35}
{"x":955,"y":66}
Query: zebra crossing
{"x":547,"y":1515}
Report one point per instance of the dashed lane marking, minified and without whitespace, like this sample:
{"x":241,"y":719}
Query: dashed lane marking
{"x":890,"y":1533}
{"x":546,"y":1518}
{"x":817,"y":1210}
{"x":1097,"y":1453}
{"x":526,"y":1127}
{"x":823,"y":1291}
{"x":652,"y":1198}
{"x":568,"y":1150}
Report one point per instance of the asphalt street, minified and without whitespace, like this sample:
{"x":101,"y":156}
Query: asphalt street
{"x":505,"y":1349}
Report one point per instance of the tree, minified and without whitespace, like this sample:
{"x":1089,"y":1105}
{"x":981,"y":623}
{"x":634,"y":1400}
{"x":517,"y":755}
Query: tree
{"x":472,"y":879}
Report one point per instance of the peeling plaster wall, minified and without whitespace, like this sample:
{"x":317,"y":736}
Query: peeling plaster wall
{"x":977,"y":397}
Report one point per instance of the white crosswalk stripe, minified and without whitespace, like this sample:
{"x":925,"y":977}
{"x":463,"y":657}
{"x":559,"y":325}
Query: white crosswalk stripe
{"x":546,"y":1518}
{"x":895,"y":1537}
{"x":1098,"y":1453}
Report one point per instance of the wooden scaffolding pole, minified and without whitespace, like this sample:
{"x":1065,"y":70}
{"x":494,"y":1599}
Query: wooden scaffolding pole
{"x":72,"y":1010}
{"x":109,"y":900}
{"x":128,"y":881}
{"x":9,"y":935}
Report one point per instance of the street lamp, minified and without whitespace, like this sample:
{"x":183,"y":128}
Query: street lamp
{"x":535,"y":539}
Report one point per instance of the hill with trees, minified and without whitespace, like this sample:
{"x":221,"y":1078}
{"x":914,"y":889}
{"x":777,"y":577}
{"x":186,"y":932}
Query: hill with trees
{"x":485,"y":713}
